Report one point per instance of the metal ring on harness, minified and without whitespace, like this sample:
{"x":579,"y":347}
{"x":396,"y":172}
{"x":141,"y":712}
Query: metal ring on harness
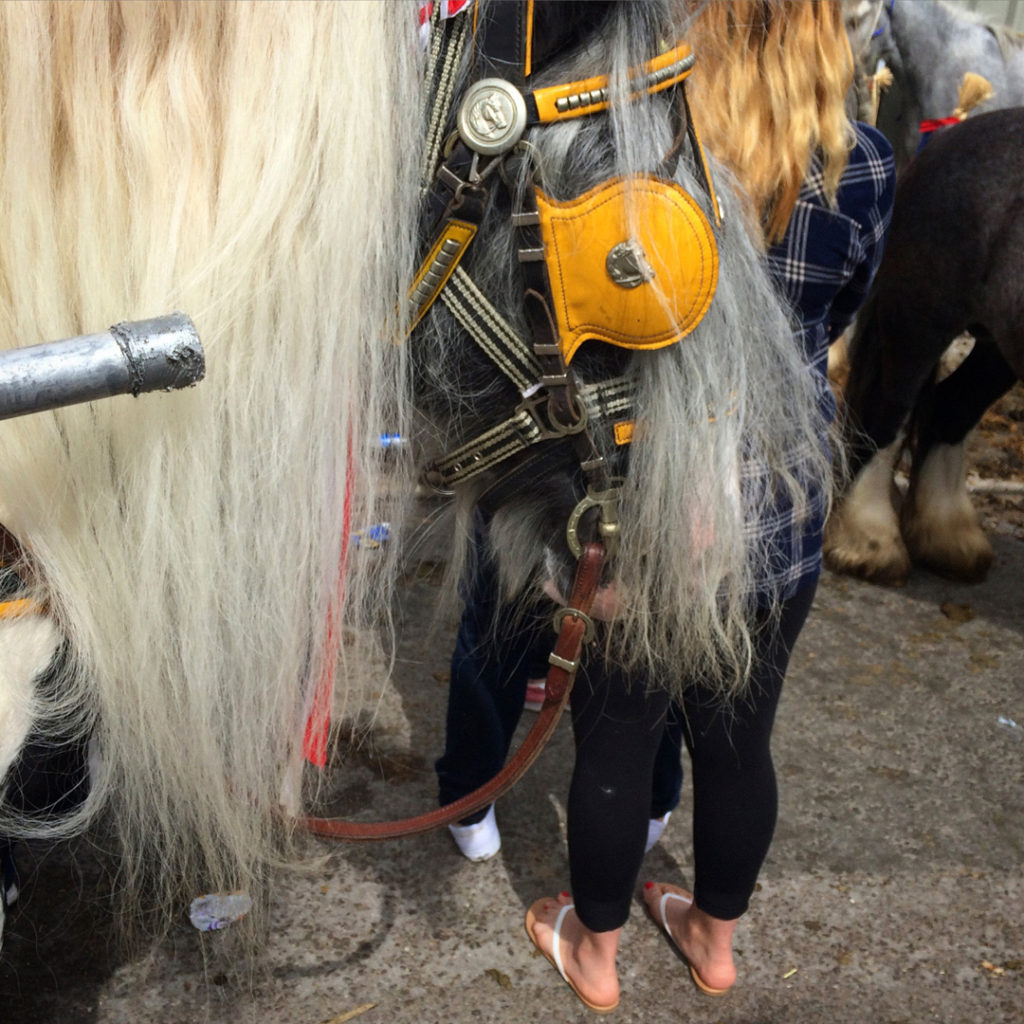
{"x":565,"y":429}
{"x":608,"y":526}
{"x":589,"y":630}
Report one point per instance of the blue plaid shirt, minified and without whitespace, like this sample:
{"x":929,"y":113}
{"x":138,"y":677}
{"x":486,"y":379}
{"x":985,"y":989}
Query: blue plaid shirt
{"x":823,"y":268}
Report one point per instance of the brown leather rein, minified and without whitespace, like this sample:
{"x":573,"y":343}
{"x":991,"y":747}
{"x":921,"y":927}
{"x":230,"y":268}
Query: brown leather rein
{"x":564,"y":661}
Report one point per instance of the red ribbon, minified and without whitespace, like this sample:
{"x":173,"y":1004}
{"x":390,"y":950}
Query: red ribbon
{"x":942,"y":122}
{"x":318,"y":724}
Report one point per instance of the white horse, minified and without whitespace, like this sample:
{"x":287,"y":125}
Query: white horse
{"x":247,"y":163}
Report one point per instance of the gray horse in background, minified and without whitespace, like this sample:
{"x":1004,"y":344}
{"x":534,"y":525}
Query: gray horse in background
{"x":929,"y":45}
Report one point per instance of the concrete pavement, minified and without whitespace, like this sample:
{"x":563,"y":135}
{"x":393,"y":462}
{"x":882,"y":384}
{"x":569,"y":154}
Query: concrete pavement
{"x":893,"y":893}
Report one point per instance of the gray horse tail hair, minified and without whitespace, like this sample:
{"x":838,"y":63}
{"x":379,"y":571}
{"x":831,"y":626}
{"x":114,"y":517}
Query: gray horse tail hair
{"x":728,"y":427}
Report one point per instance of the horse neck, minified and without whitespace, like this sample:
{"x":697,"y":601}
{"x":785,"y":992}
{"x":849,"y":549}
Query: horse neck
{"x":934,"y":45}
{"x":938,"y":44}
{"x":922,"y":35}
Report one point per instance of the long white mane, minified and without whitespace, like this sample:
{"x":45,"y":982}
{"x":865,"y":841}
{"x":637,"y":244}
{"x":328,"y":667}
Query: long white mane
{"x":254,"y":165}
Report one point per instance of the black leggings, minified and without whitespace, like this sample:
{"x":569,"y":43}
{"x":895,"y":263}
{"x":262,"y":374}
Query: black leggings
{"x":626,"y":741}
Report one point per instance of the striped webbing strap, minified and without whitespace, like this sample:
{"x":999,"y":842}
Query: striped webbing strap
{"x":491,"y":331}
{"x":608,"y":400}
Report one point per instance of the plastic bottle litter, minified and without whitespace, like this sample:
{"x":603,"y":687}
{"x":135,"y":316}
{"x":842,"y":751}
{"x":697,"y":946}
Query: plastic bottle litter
{"x":217,"y":910}
{"x":1011,"y":726}
{"x":371,"y":536}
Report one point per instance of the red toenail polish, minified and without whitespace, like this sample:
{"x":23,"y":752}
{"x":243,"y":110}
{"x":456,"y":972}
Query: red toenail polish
{"x":564,"y":893}
{"x":648,"y":885}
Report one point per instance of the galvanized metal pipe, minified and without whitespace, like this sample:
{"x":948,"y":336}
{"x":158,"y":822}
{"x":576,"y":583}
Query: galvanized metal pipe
{"x":162,"y":354}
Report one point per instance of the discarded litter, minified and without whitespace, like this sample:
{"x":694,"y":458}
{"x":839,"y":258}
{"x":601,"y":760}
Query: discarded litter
{"x":350,"y":1014}
{"x":217,"y":910}
{"x":1010,"y":726}
{"x":371,"y":536}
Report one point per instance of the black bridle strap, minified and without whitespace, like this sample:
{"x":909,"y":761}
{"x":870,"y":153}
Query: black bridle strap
{"x":610,"y":399}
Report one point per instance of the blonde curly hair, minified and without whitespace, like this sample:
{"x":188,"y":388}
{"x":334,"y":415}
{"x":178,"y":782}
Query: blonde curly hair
{"x":769,"y":91}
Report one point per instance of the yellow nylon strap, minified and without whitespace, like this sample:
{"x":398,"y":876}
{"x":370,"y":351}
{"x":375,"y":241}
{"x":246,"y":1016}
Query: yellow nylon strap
{"x":528,"y":57}
{"x":675,"y":252}
{"x":547,"y":99}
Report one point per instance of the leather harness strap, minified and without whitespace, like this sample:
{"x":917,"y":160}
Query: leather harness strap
{"x":564,"y":660}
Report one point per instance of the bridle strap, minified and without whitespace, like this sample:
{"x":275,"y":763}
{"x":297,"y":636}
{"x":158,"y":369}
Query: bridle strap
{"x":530,"y":425}
{"x":563,"y":663}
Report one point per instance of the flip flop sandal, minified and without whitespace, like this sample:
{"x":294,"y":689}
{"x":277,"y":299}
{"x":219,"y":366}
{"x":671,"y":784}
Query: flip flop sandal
{"x":679,"y":894}
{"x":555,"y":956}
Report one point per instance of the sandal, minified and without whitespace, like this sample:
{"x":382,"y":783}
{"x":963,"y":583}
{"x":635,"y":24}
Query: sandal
{"x":671,"y":892}
{"x":555,"y":956}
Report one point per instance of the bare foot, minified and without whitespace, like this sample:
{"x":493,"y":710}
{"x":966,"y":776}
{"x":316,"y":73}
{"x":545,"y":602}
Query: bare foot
{"x":587,"y":959}
{"x":705,"y":941}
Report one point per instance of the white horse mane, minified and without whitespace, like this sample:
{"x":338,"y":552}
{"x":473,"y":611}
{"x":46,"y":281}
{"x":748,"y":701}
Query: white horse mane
{"x":246,"y":163}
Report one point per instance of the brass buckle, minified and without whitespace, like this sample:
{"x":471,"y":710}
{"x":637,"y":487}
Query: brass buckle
{"x":589,"y":631}
{"x":607,"y":502}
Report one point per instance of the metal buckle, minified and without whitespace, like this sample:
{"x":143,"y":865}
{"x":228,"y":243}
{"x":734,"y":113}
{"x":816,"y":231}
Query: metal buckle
{"x":536,"y":404}
{"x":589,"y":631}
{"x":607,"y":502}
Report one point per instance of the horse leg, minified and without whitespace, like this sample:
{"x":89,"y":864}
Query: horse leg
{"x":862,"y":535}
{"x":939,"y":524}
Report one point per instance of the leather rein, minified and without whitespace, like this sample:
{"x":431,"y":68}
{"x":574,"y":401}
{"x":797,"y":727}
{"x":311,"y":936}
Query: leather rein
{"x":576,"y":628}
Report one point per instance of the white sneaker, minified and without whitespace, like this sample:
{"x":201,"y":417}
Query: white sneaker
{"x":478,"y":842}
{"x":655,"y":827}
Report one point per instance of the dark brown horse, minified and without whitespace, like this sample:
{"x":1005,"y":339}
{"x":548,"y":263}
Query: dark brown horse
{"x":952,"y":265}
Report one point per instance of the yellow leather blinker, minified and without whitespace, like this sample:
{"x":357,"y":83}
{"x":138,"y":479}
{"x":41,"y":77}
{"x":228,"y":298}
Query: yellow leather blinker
{"x":643,"y":288}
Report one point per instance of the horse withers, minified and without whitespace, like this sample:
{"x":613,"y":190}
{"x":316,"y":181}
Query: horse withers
{"x":952,"y":265}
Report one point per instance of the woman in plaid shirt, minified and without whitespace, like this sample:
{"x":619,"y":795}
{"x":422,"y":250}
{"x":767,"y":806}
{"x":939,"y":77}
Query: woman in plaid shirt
{"x":825,"y":233}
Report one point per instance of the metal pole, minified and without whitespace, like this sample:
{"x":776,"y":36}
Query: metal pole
{"x":162,"y":354}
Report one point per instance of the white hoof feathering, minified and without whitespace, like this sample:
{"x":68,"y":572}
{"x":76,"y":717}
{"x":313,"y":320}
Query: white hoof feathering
{"x":862,"y":536}
{"x":940,"y":525}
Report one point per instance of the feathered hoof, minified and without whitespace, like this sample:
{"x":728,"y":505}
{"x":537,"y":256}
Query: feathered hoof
{"x":875,"y":555}
{"x":939,"y":524}
{"x":963,"y":553}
